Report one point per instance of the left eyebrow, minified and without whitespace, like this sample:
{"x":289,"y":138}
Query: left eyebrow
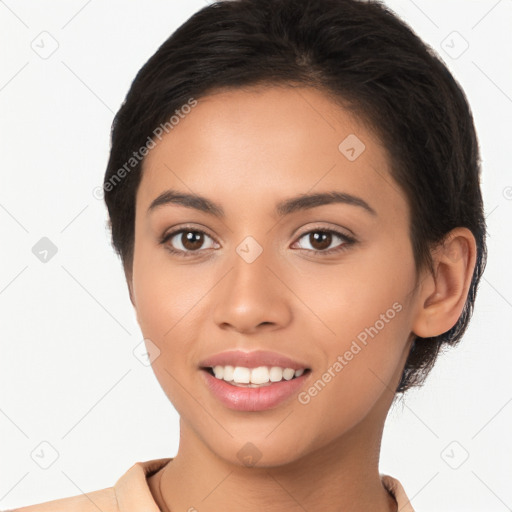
{"x":283,"y":208}
{"x":306,"y":201}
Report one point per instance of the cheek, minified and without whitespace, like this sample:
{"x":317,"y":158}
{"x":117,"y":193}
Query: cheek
{"x":364,"y":289}
{"x":164,"y":292}
{"x":167,"y":300}
{"x":358,"y":376}
{"x":367,"y":325}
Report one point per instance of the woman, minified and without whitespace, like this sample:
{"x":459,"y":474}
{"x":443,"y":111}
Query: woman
{"x":293,"y":189}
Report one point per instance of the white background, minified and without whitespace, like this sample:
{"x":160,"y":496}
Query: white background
{"x":68,"y":376}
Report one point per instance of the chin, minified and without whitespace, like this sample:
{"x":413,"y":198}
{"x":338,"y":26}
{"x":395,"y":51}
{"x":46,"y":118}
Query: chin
{"x":256,"y":448}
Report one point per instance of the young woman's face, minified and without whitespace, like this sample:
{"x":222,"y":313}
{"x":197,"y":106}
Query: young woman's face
{"x":327,"y":283}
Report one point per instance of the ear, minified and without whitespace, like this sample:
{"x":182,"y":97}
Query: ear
{"x":443,"y":295}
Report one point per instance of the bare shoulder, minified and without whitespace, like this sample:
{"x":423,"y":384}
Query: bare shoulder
{"x":104,"y":500}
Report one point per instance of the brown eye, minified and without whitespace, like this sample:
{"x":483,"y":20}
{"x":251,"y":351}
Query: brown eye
{"x":186,"y":241}
{"x":320,"y":241}
{"x":192,"y":240}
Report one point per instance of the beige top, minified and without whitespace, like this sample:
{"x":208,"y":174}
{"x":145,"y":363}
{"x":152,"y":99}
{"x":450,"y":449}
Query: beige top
{"x":131,"y":493}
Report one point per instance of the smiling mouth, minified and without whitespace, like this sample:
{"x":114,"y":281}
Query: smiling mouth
{"x":261,"y":376}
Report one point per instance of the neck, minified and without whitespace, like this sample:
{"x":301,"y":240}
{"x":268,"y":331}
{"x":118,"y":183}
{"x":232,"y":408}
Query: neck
{"x":341,"y":476}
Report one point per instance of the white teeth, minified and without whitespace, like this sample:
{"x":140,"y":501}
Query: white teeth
{"x":242,"y":375}
{"x":254,"y":377}
{"x":228,"y":373}
{"x":288,"y":373}
{"x":276,"y":374}
{"x":259,"y":375}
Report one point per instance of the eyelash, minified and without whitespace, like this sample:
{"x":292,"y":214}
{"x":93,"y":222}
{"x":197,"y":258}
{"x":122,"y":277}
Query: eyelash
{"x":348,"y":241}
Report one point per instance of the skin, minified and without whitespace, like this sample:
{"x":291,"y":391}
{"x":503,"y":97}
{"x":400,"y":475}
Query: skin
{"x":246,"y":150}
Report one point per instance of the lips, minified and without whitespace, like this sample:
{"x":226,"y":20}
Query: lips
{"x":254,"y":399}
{"x":252,"y":360}
{"x":234,"y":394}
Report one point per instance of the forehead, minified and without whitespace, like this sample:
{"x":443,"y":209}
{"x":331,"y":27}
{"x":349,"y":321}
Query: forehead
{"x":240,"y":143}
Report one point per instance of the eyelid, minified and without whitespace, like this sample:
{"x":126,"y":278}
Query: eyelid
{"x":326,"y":226}
{"x":187,"y":227}
{"x":345,"y":232}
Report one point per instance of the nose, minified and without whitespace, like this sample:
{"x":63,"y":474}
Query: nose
{"x":251,"y":297}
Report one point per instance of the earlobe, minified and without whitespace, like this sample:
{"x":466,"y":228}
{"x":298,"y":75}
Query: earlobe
{"x":444,"y":294}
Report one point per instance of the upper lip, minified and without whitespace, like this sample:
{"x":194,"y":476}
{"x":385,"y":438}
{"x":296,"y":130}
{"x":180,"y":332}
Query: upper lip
{"x":251,"y":359}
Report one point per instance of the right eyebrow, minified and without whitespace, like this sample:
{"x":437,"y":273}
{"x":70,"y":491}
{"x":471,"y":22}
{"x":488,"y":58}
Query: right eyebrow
{"x":188,"y":200}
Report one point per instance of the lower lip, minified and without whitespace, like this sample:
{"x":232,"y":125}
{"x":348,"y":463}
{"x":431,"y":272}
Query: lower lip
{"x":253,"y":399}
